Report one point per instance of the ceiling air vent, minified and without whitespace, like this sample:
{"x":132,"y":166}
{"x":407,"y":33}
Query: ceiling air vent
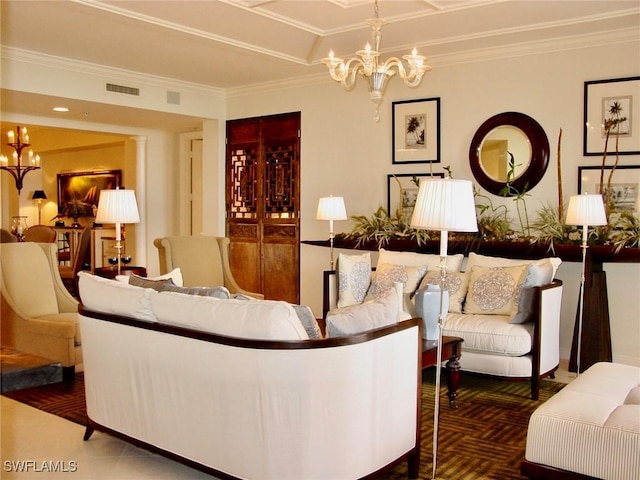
{"x":112,"y":87}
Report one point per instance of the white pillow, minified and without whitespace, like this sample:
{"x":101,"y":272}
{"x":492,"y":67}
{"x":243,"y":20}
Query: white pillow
{"x":454,"y":262}
{"x":117,"y":298}
{"x":361,"y":318}
{"x":260,"y":319}
{"x":175,"y":275}
{"x":354,"y":277}
{"x":494,"y":290}
{"x":387,"y":275}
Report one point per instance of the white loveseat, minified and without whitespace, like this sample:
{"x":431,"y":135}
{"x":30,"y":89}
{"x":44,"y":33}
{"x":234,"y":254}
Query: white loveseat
{"x":509,"y":332}
{"x":236,"y":388}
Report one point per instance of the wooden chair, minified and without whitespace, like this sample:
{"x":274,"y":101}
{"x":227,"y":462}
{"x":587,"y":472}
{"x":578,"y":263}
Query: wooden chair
{"x":40,"y":234}
{"x":81,"y":261}
{"x":203,"y":261}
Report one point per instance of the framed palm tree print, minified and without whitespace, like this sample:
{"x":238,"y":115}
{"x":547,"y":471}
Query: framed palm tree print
{"x":416,"y":131}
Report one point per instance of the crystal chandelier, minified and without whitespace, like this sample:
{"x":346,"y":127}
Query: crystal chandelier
{"x":19,"y":141}
{"x":373,"y":70}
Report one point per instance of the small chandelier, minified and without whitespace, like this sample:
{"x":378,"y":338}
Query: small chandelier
{"x":370,"y":67}
{"x":19,"y":141}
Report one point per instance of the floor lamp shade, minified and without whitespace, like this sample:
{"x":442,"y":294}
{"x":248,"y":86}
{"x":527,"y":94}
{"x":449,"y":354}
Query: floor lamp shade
{"x":445,"y":204}
{"x":586,"y":210}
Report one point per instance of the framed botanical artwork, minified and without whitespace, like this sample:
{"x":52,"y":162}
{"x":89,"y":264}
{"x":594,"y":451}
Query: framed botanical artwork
{"x":402,"y":191}
{"x":84,"y":188}
{"x":625,"y":184}
{"x":613,"y":103}
{"x":416,"y":131}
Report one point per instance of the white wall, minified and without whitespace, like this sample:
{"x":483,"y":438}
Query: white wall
{"x":344,"y":152}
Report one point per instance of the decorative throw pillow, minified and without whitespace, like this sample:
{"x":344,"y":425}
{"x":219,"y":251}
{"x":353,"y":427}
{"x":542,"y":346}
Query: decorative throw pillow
{"x":369,"y":315}
{"x":454,"y":262}
{"x":143,"y":282}
{"x":456,"y":283}
{"x":494,"y":290}
{"x":174,"y":275}
{"x":540,"y":272}
{"x":308,"y":320}
{"x":354,"y":277}
{"x":217,"y":292}
{"x":387,"y":274}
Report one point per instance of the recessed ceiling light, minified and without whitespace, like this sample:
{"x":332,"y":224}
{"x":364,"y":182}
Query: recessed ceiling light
{"x":60,"y":109}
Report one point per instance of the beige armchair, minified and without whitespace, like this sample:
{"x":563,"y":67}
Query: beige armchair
{"x":203,"y":261}
{"x":39,"y":316}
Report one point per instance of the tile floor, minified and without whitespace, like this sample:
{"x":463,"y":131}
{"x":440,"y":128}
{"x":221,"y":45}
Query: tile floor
{"x":43,"y":441}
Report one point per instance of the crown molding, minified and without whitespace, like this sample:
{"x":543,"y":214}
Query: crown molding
{"x":110,"y":74}
{"x":578,"y":42}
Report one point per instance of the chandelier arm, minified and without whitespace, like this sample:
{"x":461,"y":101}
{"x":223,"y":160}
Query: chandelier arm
{"x":352,"y":68}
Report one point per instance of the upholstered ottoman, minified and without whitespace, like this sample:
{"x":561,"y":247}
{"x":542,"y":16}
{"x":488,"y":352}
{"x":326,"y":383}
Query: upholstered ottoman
{"x":591,"y":427}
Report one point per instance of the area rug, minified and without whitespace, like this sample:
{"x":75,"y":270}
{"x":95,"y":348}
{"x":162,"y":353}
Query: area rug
{"x":483,"y":439}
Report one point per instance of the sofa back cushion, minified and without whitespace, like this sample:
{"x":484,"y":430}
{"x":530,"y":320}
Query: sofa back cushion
{"x":258,"y":320}
{"x":114,"y":297}
{"x":431,"y":261}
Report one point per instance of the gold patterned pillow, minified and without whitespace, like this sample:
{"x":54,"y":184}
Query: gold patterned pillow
{"x":456,"y":283}
{"x":495,"y":290}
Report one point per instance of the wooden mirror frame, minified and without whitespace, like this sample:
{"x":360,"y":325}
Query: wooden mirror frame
{"x":539,"y":152}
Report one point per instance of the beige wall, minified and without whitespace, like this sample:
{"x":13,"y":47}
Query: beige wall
{"x":345,"y":153}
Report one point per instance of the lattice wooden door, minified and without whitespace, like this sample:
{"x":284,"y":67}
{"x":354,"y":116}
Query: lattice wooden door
{"x":263,"y":204}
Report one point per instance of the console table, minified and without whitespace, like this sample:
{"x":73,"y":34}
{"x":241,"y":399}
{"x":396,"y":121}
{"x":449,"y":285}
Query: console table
{"x":596,"y":333}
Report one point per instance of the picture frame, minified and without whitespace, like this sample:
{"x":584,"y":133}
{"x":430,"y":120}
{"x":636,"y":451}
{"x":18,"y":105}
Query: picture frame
{"x":86,"y":186}
{"x":402,"y":191}
{"x":625,"y":188}
{"x":416,"y":131}
{"x":599,"y":96}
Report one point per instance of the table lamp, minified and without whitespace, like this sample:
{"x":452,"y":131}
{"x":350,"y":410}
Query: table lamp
{"x":39,"y":196}
{"x":586,"y":210}
{"x":443,"y":205}
{"x":331,"y":208}
{"x":117,"y":206}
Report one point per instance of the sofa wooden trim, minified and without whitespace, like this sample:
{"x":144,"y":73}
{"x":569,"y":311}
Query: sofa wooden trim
{"x":412,"y":456}
{"x":535,"y":471}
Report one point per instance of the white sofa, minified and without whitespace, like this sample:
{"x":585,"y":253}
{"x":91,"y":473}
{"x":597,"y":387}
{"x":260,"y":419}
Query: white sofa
{"x":236,"y":388}
{"x":517,"y":339}
{"x":590,"y":429}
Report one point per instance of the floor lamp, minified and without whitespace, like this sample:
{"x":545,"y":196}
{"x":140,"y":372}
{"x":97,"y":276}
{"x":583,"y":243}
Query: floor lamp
{"x":443,"y":205}
{"x":586,"y":210}
{"x":331,"y":208}
{"x":117,"y":206}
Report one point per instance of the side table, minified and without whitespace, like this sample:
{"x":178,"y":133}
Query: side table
{"x":451,"y":352}
{"x":111,"y":272}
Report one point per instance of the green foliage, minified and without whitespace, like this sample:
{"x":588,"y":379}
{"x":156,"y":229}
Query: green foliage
{"x":518,"y":196}
{"x":382,"y":227}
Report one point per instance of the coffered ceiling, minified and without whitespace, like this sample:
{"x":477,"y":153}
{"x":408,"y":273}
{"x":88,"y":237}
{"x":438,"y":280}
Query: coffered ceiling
{"x":230,"y":44}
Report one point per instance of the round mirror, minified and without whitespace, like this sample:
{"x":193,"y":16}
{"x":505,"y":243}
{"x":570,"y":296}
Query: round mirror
{"x":509,"y":148}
